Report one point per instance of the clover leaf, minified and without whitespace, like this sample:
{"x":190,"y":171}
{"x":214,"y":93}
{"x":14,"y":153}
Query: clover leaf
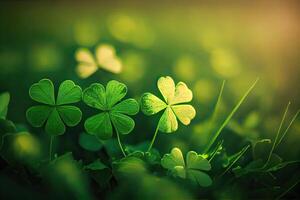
{"x":89,"y":142}
{"x":104,"y":58}
{"x":192,"y":169}
{"x":173,"y":104}
{"x":4,"y":101}
{"x":54,"y":113}
{"x":114,"y":112}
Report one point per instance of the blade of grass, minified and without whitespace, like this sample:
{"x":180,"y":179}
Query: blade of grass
{"x":287,"y":191}
{"x":287,"y":129}
{"x":277,"y":135}
{"x":242,"y":152}
{"x":213,"y":118}
{"x":226,"y":121}
{"x":214,"y":153}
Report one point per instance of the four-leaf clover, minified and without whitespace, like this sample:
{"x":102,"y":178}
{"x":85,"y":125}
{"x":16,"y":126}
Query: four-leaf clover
{"x":174,"y":97}
{"x":54,"y":112}
{"x":192,"y":169}
{"x":114,"y":111}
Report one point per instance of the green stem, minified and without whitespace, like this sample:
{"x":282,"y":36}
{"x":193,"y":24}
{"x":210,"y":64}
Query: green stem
{"x":50,"y":147}
{"x":154,"y":138}
{"x":226,"y":121}
{"x":277,"y":135}
{"x":120,"y":144}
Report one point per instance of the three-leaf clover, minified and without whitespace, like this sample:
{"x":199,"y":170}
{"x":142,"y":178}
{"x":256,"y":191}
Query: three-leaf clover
{"x":174,"y":97}
{"x":55,"y":113}
{"x":114,"y":111}
{"x":192,"y":169}
{"x":105,"y":58}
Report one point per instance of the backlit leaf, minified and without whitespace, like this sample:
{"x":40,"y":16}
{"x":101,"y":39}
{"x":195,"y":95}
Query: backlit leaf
{"x":43,"y":92}
{"x":95,"y":97}
{"x":107,"y":59}
{"x":182,"y":94}
{"x":122,"y":123}
{"x":115,"y":91}
{"x":68,"y":93}
{"x":150,"y":104}
{"x":168,"y":122}
{"x":99,"y":125}
{"x":185,"y":113}
{"x":128,"y":107}
{"x":195,"y":161}
{"x":175,"y":158}
{"x":166,"y":86}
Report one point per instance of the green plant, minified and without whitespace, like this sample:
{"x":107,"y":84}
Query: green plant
{"x":54,"y":112}
{"x":229,"y":117}
{"x":192,"y":168}
{"x":270,"y":162}
{"x":114,"y":111}
{"x":7,"y":127}
{"x":104,"y":58}
{"x":173,"y":106}
{"x":4,"y":101}
{"x":141,"y":159}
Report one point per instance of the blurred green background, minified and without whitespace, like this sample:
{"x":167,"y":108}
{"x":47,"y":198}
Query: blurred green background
{"x":199,"y":42}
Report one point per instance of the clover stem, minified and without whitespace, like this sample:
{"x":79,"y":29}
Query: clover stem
{"x":153,"y":139}
{"x":120,"y":144}
{"x":50,"y":148}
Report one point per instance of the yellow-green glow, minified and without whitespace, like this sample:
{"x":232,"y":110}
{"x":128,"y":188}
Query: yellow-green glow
{"x":185,"y":68}
{"x":131,"y":30}
{"x":225,"y":62}
{"x":26,"y":145}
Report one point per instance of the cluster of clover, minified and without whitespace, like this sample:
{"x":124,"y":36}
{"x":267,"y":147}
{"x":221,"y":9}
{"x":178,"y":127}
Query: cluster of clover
{"x":57,"y":113}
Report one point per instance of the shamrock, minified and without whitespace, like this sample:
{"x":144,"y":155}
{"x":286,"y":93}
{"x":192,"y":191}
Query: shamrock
{"x":105,"y":58}
{"x":192,"y":169}
{"x":174,"y":97}
{"x":114,"y":111}
{"x":54,"y":113}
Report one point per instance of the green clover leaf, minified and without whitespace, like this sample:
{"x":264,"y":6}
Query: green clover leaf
{"x":114,"y":111}
{"x":192,"y":169}
{"x":173,"y":104}
{"x":4,"y":101}
{"x":54,"y":113}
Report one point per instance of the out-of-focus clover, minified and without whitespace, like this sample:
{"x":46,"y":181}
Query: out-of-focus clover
{"x":105,"y":58}
{"x":175,"y":97}
{"x":55,"y":113}
{"x":191,"y":169}
{"x":4,"y":101}
{"x":114,"y":111}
